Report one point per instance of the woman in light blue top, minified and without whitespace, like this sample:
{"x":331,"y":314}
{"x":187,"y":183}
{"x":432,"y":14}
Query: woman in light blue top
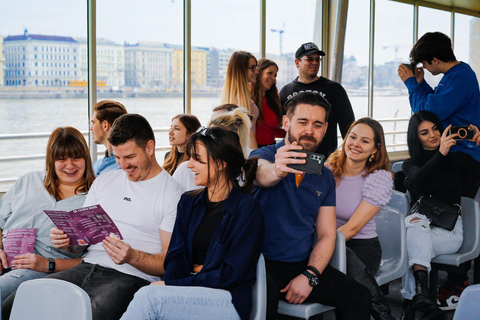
{"x":62,"y":186}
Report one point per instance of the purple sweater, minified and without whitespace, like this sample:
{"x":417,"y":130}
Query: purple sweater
{"x":375,"y":189}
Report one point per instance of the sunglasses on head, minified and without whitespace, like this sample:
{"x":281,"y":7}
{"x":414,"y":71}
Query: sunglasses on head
{"x":206,"y":132}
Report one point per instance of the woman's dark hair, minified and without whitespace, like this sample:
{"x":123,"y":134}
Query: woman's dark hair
{"x":415,"y":147}
{"x":224,"y":146}
{"x":66,"y":142}
{"x":273,"y":99}
{"x":174,"y":158}
{"x":432,"y":45}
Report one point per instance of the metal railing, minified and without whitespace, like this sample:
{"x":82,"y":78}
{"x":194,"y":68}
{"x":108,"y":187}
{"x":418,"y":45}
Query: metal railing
{"x":20,"y":136}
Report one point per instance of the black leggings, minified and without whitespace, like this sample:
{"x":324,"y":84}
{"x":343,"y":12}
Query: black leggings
{"x":351,"y":299}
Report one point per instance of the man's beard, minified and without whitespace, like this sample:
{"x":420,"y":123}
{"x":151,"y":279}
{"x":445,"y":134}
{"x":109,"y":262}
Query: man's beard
{"x":302,"y":138}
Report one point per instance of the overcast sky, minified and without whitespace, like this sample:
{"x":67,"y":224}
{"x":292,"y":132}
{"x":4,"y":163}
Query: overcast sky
{"x":230,"y":23}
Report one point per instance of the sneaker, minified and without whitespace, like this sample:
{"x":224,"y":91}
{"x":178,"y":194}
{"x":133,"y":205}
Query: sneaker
{"x":447,"y":299}
{"x":444,"y":293}
{"x":448,"y":304}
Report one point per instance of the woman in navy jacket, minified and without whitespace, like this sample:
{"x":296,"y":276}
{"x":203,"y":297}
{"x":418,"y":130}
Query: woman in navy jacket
{"x":211,"y":261}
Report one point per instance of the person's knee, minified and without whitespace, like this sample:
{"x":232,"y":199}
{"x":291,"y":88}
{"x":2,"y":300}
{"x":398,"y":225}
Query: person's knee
{"x":416,"y":220}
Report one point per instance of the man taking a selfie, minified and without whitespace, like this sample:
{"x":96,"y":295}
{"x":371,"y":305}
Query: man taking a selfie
{"x":299,"y":213}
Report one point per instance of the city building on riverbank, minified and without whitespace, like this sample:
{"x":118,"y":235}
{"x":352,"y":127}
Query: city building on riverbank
{"x":148,"y":64}
{"x":110,"y":62}
{"x":198,"y":66}
{"x":40,"y":60}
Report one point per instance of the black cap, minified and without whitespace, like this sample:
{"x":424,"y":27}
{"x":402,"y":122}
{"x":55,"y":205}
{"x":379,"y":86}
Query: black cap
{"x":307,"y":49}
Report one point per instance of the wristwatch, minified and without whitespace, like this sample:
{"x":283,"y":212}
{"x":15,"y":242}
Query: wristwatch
{"x":312,"y":279}
{"x":51,"y":265}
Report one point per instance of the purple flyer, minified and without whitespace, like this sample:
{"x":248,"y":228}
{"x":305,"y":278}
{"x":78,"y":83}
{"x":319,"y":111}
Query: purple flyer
{"x":19,"y":241}
{"x":84,"y":226}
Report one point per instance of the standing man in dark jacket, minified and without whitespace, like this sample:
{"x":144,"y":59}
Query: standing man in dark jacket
{"x":307,"y":60}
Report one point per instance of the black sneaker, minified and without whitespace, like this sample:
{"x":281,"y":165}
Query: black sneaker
{"x":448,"y":299}
{"x":448,"y":304}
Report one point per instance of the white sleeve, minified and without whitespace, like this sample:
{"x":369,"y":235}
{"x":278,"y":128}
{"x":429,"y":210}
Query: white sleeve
{"x":91,"y":198}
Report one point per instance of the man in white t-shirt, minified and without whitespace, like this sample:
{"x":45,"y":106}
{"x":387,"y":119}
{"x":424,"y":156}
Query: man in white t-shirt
{"x":142,"y":201}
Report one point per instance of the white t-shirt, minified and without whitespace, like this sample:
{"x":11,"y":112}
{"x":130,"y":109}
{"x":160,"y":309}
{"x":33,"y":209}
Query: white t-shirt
{"x":139,"y":209}
{"x":184,"y":177}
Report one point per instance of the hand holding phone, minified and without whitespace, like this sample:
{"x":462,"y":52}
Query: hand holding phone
{"x":464,"y":132}
{"x":314,"y":163}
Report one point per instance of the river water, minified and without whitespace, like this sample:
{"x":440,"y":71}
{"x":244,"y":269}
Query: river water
{"x":44,"y":115}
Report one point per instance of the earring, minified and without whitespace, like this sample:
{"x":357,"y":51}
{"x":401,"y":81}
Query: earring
{"x":371,"y":158}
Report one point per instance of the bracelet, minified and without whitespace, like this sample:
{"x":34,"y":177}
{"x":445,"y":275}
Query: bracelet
{"x":314,"y":270}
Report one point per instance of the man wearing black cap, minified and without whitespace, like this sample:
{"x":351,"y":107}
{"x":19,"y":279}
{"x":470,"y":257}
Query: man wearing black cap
{"x":307,"y":60}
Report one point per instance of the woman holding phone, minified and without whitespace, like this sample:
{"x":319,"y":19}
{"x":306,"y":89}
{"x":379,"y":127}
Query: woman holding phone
{"x":430,"y":173}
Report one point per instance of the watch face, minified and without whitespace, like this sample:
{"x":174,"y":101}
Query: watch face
{"x":312,"y":279}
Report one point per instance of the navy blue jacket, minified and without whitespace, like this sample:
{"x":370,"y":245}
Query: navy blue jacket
{"x":233,"y":253}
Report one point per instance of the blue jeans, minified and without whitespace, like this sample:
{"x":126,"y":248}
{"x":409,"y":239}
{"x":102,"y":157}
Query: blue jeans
{"x":425,"y":242}
{"x":181,"y":303}
{"x":110,"y":291}
{"x":10,"y":281}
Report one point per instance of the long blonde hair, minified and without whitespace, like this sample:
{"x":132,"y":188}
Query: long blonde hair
{"x":237,"y":121}
{"x":336,"y":161}
{"x":66,"y":142}
{"x":236,"y":89}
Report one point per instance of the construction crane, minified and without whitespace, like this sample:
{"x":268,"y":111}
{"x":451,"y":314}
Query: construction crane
{"x":280,"y":34}
{"x":396,"y":47}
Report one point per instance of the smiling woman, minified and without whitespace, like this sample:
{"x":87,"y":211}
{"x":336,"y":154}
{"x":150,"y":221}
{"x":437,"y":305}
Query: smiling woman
{"x":363,"y":186}
{"x":62,"y":186}
{"x":265,"y":96}
{"x":182,"y":127}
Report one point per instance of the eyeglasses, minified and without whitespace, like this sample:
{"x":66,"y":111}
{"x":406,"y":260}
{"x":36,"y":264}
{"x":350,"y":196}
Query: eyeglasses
{"x":310,"y":59}
{"x":253,"y":68}
{"x":206,"y":132}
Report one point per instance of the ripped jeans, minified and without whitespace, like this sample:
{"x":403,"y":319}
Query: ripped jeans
{"x":10,"y":281}
{"x":424,"y":242}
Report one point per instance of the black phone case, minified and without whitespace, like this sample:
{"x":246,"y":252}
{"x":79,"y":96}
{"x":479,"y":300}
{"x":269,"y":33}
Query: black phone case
{"x":314,"y":164}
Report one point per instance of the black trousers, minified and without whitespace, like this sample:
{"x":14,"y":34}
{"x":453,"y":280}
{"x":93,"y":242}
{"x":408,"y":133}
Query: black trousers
{"x":368,"y":254}
{"x":469,"y":171}
{"x":350,"y":298}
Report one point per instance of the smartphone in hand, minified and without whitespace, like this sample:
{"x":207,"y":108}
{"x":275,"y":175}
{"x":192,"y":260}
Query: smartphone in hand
{"x":314,"y":163}
{"x":464,"y":132}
